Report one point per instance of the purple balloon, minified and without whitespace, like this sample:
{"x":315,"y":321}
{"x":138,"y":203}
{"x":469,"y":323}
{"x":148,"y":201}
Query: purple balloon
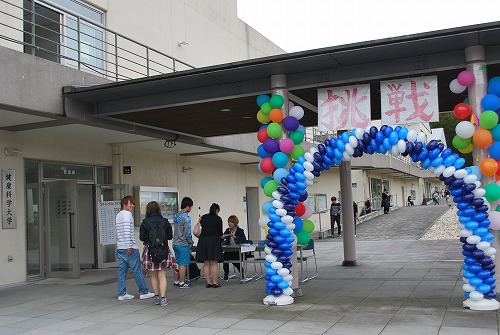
{"x":303,"y":197}
{"x":290,"y":123}
{"x":271,"y":146}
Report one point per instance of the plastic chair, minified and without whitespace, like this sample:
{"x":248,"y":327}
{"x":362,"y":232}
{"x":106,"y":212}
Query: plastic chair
{"x":303,"y":258}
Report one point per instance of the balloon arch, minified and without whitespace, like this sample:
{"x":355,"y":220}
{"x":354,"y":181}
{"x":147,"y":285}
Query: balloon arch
{"x":287,"y":188}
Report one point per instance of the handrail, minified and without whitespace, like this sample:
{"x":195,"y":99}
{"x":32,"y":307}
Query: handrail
{"x":114,"y":56}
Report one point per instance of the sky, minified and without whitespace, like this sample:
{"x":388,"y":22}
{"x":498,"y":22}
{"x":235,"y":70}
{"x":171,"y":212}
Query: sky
{"x":297,"y":25}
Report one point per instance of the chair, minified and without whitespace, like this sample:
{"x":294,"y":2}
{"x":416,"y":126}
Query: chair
{"x":305,"y":253}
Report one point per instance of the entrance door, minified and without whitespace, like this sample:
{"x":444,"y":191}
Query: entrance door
{"x":60,"y":207}
{"x":107,"y":200}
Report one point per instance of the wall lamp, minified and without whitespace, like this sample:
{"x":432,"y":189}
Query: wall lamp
{"x":12,"y":152}
{"x":181,"y":43}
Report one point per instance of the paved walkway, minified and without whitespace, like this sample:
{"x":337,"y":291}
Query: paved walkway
{"x":402,"y":286}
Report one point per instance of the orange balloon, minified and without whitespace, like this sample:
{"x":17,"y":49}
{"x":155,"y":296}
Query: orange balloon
{"x":488,"y":167}
{"x":276,"y":115}
{"x":482,"y":138}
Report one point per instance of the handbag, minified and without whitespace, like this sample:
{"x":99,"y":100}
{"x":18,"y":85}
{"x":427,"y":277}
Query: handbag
{"x":197,"y":229}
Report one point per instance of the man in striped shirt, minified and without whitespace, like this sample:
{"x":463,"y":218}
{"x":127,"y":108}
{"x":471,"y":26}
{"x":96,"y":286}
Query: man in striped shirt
{"x":127,"y":252}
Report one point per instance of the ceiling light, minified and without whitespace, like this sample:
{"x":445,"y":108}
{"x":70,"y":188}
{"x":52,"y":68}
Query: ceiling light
{"x":181,"y":43}
{"x":225,"y":110}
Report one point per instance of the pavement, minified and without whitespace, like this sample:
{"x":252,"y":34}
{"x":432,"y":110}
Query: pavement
{"x":402,"y":286}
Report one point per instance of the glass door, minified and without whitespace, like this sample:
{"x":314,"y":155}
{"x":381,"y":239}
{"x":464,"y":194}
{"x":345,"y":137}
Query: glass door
{"x":107,"y":199}
{"x":60,"y":207}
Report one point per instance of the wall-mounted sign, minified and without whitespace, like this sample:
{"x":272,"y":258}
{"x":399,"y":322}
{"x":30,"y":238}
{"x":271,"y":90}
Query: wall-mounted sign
{"x":9,"y":217}
{"x":127,"y":169}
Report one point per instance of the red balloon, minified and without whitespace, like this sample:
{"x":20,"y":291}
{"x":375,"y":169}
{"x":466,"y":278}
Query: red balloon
{"x":300,"y":209}
{"x":267,"y":166}
{"x":462,"y":111}
{"x":262,"y":135}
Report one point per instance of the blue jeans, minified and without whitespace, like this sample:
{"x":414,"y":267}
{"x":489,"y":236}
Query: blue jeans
{"x":134,"y":261}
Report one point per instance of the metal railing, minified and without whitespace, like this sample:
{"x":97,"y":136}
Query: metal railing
{"x":113,"y":56}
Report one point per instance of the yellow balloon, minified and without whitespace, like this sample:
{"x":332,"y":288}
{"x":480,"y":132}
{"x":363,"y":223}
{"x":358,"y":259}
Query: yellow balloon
{"x":466,"y":150}
{"x":262,"y":118}
{"x":266,"y":229}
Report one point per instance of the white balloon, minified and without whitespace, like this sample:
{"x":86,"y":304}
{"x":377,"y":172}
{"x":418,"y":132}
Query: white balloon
{"x":395,"y":151}
{"x":412,"y":136}
{"x":349,"y":149}
{"x":439,"y":170}
{"x":313,"y":150}
{"x":308,"y":166}
{"x":308,"y":175}
{"x":421,"y":137}
{"x":277,"y":203}
{"x":297,"y":112}
{"x":346,"y":156}
{"x":276,"y":265}
{"x":309,"y":157}
{"x":283,"y":272}
{"x":449,"y":171}
{"x":490,"y":251}
{"x":465,"y":233}
{"x":476,"y":296}
{"x":353,"y":141}
{"x":473,"y":239}
{"x":309,"y":182}
{"x":471,"y":178}
{"x":271,"y":258}
{"x":367,"y":129}
{"x":479,"y":192}
{"x":478,"y":184}
{"x":359,"y":133}
{"x":276,"y":195}
{"x":465,"y":129}
{"x":263,"y":220}
{"x":455,"y":87}
{"x":431,"y":169}
{"x":483,"y":245}
{"x":465,"y":280}
{"x":288,"y":291}
{"x":492,"y":257}
{"x":287,"y":219}
{"x":281,"y":211}
{"x":401,"y":146}
{"x":288,"y":277}
{"x":468,"y":287}
{"x":290,"y":226}
{"x":267,"y":250}
{"x":460,"y":225}
{"x":462,"y":173}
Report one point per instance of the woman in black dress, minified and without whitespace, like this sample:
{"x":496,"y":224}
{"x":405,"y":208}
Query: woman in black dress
{"x":209,"y":248}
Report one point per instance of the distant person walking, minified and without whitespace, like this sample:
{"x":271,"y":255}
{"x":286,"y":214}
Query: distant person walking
{"x":335,"y":210}
{"x":386,"y":201}
{"x":410,"y":201}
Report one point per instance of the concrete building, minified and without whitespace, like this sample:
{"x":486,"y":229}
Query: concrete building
{"x":68,"y":166}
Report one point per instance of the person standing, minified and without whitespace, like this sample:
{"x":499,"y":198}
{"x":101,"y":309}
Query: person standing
{"x":447,"y":195}
{"x":153,"y":219}
{"x":356,"y":215}
{"x":183,"y":240}
{"x":335,"y":210}
{"x":386,"y":201}
{"x":209,"y":248}
{"x":127,"y":252}
{"x":234,"y":235}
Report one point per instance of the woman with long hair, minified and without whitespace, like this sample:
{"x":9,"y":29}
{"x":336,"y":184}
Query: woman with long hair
{"x":153,"y":219}
{"x":209,"y":248}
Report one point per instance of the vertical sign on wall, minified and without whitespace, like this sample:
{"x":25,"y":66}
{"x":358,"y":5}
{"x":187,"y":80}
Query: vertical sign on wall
{"x":9,"y":217}
{"x":345,"y":107}
{"x":409,"y":100}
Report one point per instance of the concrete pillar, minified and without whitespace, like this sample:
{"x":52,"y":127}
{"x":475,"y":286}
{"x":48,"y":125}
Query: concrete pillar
{"x":347,"y":215}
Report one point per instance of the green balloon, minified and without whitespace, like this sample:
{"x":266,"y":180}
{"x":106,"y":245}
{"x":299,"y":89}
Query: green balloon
{"x":303,"y":237}
{"x":488,"y":119}
{"x":297,"y":152}
{"x":492,"y":192}
{"x":266,"y":108}
{"x":274,"y":130}
{"x":466,"y":100}
{"x":297,"y":136}
{"x":270,"y":187}
{"x":277,"y":101}
{"x":461,"y":143}
{"x":308,"y":226}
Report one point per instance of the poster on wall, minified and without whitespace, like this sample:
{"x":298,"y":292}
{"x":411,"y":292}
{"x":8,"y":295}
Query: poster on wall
{"x":107,"y":221}
{"x":9,"y":217}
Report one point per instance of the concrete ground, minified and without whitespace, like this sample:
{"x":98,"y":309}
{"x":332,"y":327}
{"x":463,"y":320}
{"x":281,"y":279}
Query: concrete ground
{"x":402,"y":286}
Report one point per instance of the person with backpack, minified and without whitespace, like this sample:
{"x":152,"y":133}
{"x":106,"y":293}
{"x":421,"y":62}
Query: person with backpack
{"x":155,"y":232}
{"x":183,"y":240}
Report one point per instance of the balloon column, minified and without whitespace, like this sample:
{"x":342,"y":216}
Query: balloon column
{"x":285,"y":211}
{"x":478,"y":209}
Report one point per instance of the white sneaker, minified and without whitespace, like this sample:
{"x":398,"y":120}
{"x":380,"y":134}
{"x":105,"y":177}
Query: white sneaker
{"x":147,"y":295}
{"x":126,"y":296}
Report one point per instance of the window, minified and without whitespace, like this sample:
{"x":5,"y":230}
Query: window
{"x":65,"y":31}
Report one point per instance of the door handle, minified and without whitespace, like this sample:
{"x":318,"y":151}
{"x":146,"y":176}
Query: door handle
{"x":71,"y":244}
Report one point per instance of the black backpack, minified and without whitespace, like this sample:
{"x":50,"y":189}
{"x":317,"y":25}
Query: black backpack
{"x":158,"y":241}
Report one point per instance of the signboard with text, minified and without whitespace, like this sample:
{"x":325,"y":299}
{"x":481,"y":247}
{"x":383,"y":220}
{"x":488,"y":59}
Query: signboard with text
{"x":345,"y":107}
{"x":9,"y":217}
{"x":409,"y":100}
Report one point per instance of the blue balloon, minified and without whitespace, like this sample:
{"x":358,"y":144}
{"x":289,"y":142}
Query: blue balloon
{"x":436,"y":162}
{"x":495,"y":151}
{"x":466,"y":274}
{"x":277,"y":292}
{"x":285,"y":246}
{"x":464,"y":219}
{"x":285,"y":233}
{"x":379,"y":137}
{"x":434,"y":153}
{"x":459,"y":163}
{"x":273,"y":231}
{"x":426,"y":164}
{"x":270,"y":271}
{"x":393,"y":137}
{"x":266,"y":206}
{"x":278,"y":174}
{"x":490,"y":102}
{"x":337,"y":153}
{"x":403,"y":133}
{"x":300,"y":177}
{"x":449,"y":160}
{"x":262,"y":152}
{"x":262,"y":99}
{"x":475,"y":281}
{"x":283,"y":284}
{"x":387,"y":144}
{"x":276,"y":278}
{"x":423,"y":155}
{"x":471,"y":225}
{"x":341,"y":145}
{"x":288,"y":252}
{"x":279,"y":225}
{"x":290,"y":239}
{"x":462,"y":205}
{"x":279,"y":239}
{"x":495,"y":132}
{"x":268,"y":291}
{"x":483,"y":274}
{"x":475,"y":268}
{"x":274,"y":217}
{"x":299,"y":224}
{"x":299,"y":168}
{"x":469,"y":260}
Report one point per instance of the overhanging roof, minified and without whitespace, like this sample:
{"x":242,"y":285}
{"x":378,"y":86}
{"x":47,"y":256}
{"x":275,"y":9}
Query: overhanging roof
{"x":220,"y":100}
